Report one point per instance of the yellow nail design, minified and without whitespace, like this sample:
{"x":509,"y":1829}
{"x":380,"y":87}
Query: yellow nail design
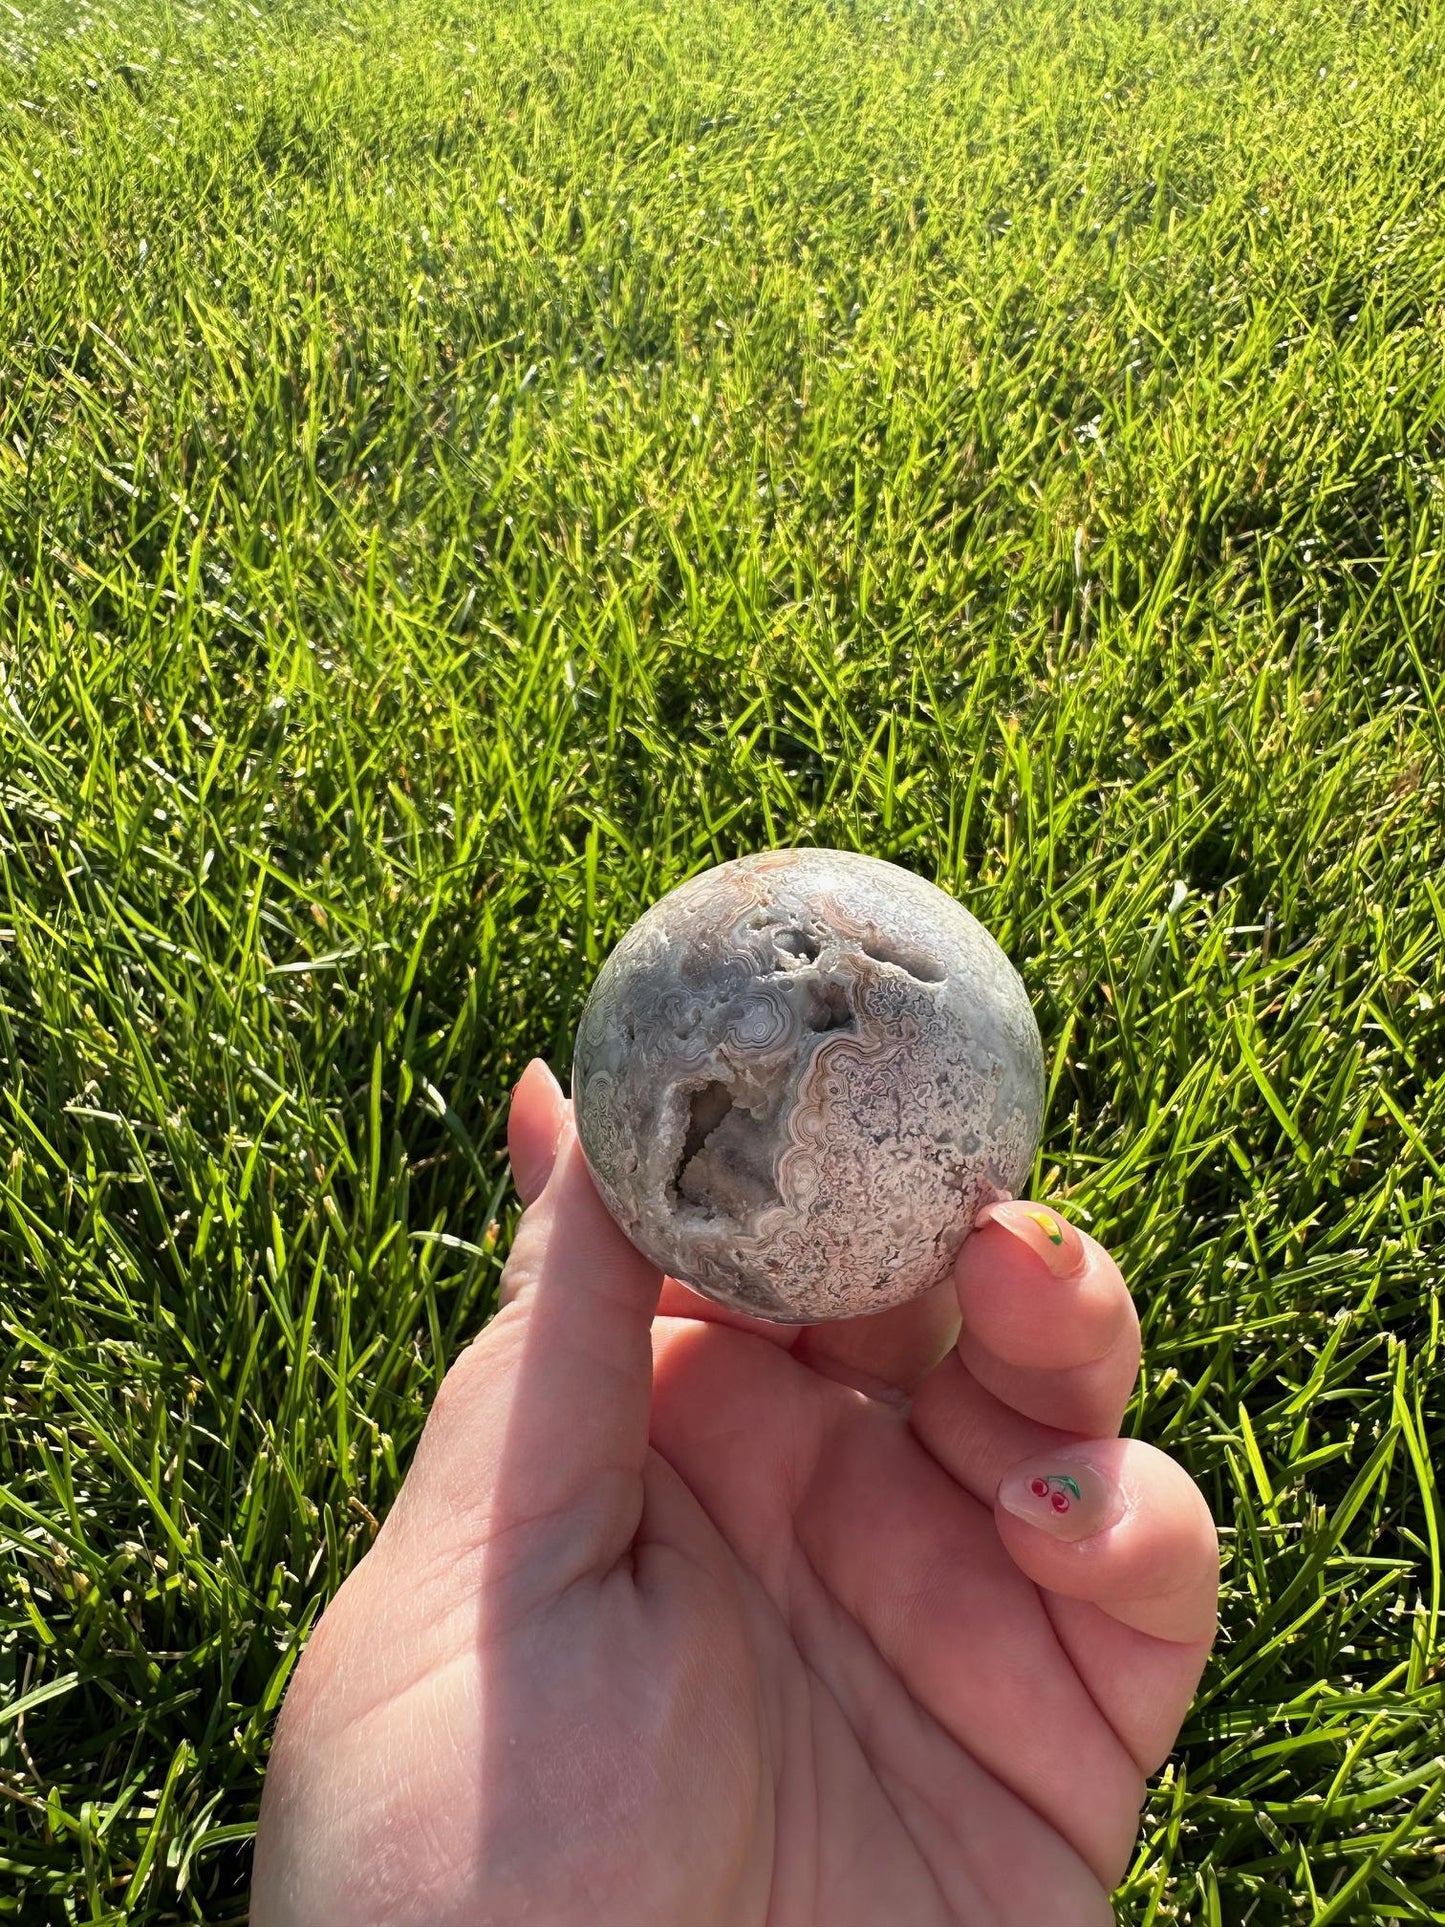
{"x":1050,"y":1225}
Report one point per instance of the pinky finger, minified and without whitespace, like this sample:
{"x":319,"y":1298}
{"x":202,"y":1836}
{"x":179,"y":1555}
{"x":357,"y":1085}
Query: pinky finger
{"x":1117,"y":1523}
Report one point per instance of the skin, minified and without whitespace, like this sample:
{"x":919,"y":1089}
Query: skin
{"x":683,"y":1620}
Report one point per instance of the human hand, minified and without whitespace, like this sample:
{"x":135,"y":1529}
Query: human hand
{"x":682,"y":1619}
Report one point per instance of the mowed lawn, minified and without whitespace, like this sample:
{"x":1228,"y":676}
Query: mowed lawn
{"x":466,"y":465}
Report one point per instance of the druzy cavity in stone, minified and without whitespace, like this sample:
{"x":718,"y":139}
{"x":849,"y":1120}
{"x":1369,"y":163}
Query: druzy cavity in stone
{"x":798,"y":1079}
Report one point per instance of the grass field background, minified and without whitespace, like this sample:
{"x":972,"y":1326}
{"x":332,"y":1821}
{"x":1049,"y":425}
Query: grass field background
{"x":464,"y":467}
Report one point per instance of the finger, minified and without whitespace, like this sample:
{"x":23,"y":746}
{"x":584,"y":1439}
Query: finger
{"x":1048,"y":1324}
{"x":535,"y":1119}
{"x":889,"y":1353}
{"x":679,"y":1300}
{"x":534,"y":1124}
{"x":1119,"y":1524}
{"x":543,"y":1421}
{"x":1049,"y":1349}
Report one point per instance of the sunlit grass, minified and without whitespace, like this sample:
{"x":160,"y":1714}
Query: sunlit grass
{"x":464,"y":467}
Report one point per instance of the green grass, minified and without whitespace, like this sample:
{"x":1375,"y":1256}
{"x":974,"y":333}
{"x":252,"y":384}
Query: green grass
{"x":466,"y":465}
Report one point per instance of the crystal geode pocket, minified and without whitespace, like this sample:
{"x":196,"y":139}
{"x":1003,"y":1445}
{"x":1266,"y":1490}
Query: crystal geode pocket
{"x":798,"y":1079}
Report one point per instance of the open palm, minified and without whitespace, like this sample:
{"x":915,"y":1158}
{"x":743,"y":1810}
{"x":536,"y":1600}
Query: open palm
{"x":686,"y":1620}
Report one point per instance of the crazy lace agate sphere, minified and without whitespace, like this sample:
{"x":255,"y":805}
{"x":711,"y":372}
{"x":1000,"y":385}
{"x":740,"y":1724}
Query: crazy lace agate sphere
{"x":800,"y":1076}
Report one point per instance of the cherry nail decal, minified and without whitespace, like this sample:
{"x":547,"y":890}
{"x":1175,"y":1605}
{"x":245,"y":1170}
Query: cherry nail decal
{"x":1055,"y":1489}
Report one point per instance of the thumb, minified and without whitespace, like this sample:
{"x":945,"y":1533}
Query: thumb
{"x":543,"y":1421}
{"x":534,"y":1124}
{"x":582,"y":1300}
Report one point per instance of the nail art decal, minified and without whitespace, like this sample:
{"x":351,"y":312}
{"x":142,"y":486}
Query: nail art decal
{"x":1058,"y":1244}
{"x":1055,"y":1488}
{"x":1053,"y":1231}
{"x":1068,"y":1505}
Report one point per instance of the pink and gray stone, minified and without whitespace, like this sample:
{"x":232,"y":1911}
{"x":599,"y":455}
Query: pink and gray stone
{"x":798,"y":1079}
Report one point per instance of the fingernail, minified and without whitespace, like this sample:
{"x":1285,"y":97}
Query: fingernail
{"x":1065,"y":1497}
{"x":536,"y":1067}
{"x":1047,"y":1235}
{"x":532,"y":1164}
{"x":547,"y":1072}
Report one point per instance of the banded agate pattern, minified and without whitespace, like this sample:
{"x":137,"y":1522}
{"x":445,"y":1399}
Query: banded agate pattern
{"x":798,"y":1078}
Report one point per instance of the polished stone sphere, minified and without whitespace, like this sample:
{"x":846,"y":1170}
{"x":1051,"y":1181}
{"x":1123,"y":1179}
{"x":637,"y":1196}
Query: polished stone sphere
{"x":800,"y":1076}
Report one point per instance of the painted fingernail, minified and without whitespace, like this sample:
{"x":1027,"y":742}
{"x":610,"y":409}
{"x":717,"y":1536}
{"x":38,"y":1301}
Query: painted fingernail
{"x":1047,"y":1235}
{"x":1065,"y":1497}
